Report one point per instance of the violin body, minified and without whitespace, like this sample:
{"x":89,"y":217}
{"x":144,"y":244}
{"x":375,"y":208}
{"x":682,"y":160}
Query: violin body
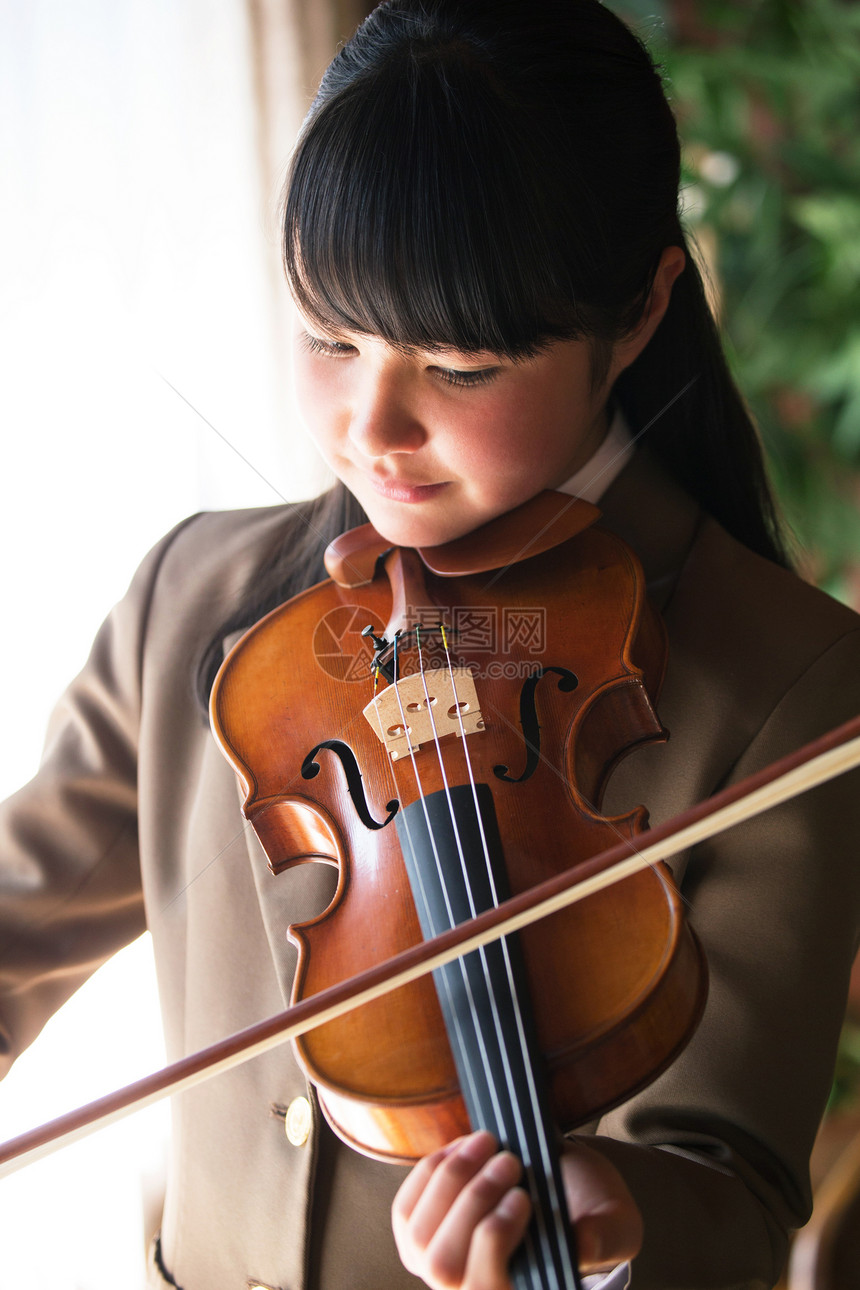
{"x":615,"y":982}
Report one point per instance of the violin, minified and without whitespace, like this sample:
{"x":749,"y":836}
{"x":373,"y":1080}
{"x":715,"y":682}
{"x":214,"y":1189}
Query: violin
{"x":439,"y":777}
{"x":824,"y":758}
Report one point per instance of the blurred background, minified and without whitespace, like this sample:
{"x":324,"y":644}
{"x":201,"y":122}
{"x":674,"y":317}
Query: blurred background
{"x":143,"y":342}
{"x":767,"y":96}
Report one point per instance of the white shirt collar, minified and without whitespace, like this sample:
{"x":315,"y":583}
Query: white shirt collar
{"x":592,"y":480}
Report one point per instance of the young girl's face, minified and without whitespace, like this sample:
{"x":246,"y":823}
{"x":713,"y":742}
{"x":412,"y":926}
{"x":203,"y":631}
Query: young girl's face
{"x":435,"y":443}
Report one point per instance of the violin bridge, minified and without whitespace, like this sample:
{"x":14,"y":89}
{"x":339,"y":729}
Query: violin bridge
{"x":418,"y":709}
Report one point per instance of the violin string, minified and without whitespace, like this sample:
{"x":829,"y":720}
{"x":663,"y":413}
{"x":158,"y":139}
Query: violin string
{"x":494,"y":1110}
{"x":488,"y":977}
{"x":545,"y":1146}
{"x":461,"y":966}
{"x":490,"y":1087}
{"x":485,"y":849}
{"x":442,"y":978}
{"x":458,"y":1038}
{"x":498,"y":1113}
{"x":532,"y":1269}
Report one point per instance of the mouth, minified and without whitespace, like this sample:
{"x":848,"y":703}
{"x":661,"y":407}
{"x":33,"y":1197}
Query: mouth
{"x":401,"y":491}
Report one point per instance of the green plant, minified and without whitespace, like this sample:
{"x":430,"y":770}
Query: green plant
{"x":767,"y":94}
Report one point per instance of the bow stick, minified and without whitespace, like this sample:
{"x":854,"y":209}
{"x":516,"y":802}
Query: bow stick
{"x":823,"y":759}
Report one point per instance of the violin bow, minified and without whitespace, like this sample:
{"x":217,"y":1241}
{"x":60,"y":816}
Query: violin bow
{"x":815,"y":763}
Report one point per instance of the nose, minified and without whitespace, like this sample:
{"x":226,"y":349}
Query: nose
{"x":384,"y":418}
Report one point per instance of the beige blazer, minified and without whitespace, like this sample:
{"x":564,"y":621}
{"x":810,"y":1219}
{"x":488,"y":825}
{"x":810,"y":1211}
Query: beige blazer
{"x":134,"y":821}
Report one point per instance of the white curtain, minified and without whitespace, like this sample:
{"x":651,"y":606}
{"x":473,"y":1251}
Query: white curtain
{"x":141,"y":147}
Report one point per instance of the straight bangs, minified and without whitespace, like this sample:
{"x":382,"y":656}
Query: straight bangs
{"x":414,"y":212}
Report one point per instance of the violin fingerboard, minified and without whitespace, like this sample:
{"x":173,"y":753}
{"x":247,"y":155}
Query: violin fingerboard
{"x":453,"y":855}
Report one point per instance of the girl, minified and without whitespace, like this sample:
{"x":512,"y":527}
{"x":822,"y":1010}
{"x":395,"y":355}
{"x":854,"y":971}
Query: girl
{"x":495,"y":297}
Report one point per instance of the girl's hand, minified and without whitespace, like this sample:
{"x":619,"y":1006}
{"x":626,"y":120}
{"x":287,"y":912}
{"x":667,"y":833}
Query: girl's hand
{"x":460,"y":1215}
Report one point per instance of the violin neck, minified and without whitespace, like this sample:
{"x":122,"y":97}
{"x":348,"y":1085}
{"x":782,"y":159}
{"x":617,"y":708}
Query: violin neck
{"x":452,"y":852}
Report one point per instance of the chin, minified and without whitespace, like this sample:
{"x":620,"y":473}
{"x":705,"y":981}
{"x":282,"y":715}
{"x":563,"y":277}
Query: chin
{"x":420,"y":531}
{"x":406,"y":525}
{"x":408,"y":533}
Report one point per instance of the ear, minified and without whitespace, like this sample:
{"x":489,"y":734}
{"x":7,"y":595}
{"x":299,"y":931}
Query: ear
{"x":629,"y":348}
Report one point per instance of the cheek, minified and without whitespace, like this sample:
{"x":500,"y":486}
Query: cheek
{"x":513,"y":430}
{"x":301,"y":378}
{"x":549,"y":416}
{"x":479,"y":444}
{"x":314,"y":399}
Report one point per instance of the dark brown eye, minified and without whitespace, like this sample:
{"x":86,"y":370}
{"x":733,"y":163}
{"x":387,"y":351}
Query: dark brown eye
{"x":481,"y":376}
{"x":331,"y":348}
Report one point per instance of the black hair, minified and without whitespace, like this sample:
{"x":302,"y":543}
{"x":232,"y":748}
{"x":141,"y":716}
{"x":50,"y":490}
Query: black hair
{"x":458,"y":182}
{"x":499,"y":174}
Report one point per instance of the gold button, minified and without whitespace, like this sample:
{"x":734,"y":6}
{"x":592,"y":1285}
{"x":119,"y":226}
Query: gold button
{"x":298,"y":1121}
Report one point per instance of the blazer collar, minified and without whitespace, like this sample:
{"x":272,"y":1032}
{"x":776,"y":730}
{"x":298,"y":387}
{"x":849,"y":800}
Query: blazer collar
{"x":654,"y":515}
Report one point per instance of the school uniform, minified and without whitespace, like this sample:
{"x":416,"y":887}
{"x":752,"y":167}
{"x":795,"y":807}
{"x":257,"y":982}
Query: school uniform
{"x":134,"y":820}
